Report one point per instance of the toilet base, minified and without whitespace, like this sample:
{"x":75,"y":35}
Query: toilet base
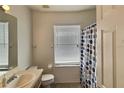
{"x":47,"y":84}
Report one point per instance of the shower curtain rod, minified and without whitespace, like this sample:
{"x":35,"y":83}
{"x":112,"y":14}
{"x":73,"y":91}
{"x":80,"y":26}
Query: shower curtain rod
{"x":91,"y":25}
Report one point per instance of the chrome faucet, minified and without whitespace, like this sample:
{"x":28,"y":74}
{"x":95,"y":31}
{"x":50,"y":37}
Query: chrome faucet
{"x":11,"y":78}
{"x":6,"y":80}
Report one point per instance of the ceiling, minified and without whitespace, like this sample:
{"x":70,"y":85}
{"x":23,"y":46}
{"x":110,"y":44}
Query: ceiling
{"x":61,"y":8}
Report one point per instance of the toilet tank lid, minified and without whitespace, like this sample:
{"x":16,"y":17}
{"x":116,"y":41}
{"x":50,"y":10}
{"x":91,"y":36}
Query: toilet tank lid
{"x":46,"y":77}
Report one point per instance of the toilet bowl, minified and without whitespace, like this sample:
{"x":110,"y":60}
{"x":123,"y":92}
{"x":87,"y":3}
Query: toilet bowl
{"x":47,"y":80}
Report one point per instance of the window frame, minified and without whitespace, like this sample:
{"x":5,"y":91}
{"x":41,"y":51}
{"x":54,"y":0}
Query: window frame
{"x":66,"y":64}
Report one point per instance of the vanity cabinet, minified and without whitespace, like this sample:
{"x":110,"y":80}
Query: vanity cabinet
{"x":110,"y":46}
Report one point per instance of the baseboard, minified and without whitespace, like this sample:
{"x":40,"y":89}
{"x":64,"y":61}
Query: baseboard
{"x":68,"y":82}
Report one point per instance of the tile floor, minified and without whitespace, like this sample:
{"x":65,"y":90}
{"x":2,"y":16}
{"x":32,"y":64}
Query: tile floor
{"x":66,"y":85}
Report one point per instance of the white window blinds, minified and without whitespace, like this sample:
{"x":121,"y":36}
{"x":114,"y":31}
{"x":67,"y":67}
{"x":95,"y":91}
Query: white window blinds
{"x":66,"y":44}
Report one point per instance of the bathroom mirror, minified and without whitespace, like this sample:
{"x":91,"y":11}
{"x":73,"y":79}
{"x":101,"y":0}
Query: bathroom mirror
{"x":8,"y":41}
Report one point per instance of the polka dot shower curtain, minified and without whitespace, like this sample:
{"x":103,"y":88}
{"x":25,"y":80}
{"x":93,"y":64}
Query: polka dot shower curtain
{"x":88,"y":57}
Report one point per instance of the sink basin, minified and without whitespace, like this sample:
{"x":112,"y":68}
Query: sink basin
{"x":21,"y":81}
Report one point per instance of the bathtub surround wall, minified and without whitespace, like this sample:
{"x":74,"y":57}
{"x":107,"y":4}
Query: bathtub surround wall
{"x":43,"y":35}
{"x":24,"y":30}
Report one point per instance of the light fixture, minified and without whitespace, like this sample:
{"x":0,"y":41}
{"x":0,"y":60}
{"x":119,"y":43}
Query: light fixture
{"x":6,"y":7}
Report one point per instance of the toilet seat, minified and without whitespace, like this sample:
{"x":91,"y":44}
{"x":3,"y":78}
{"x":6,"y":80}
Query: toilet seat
{"x":47,"y":80}
{"x":47,"y":77}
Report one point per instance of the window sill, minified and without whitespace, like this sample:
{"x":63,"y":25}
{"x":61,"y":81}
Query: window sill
{"x":67,"y":65}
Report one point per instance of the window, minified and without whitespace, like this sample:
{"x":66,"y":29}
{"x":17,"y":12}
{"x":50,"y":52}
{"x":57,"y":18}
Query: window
{"x":3,"y":44}
{"x":66,"y":45}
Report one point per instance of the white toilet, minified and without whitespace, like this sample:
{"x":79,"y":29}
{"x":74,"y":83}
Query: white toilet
{"x":47,"y":80}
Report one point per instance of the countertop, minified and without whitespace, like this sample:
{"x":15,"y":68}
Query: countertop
{"x":37,"y":73}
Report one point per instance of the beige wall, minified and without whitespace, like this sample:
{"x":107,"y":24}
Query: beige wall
{"x":24,"y":30}
{"x":43,"y":38}
{"x":67,"y":74}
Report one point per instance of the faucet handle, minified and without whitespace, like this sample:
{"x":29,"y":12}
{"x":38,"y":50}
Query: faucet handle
{"x":12,"y":78}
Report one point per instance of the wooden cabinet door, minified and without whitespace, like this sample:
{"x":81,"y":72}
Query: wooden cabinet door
{"x":111,"y":58}
{"x":108,"y":58}
{"x":108,"y":52}
{"x":105,"y":46}
{"x":120,"y":46}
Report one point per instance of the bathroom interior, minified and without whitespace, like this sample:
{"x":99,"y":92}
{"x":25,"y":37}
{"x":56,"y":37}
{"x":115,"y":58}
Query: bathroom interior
{"x":61,"y":46}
